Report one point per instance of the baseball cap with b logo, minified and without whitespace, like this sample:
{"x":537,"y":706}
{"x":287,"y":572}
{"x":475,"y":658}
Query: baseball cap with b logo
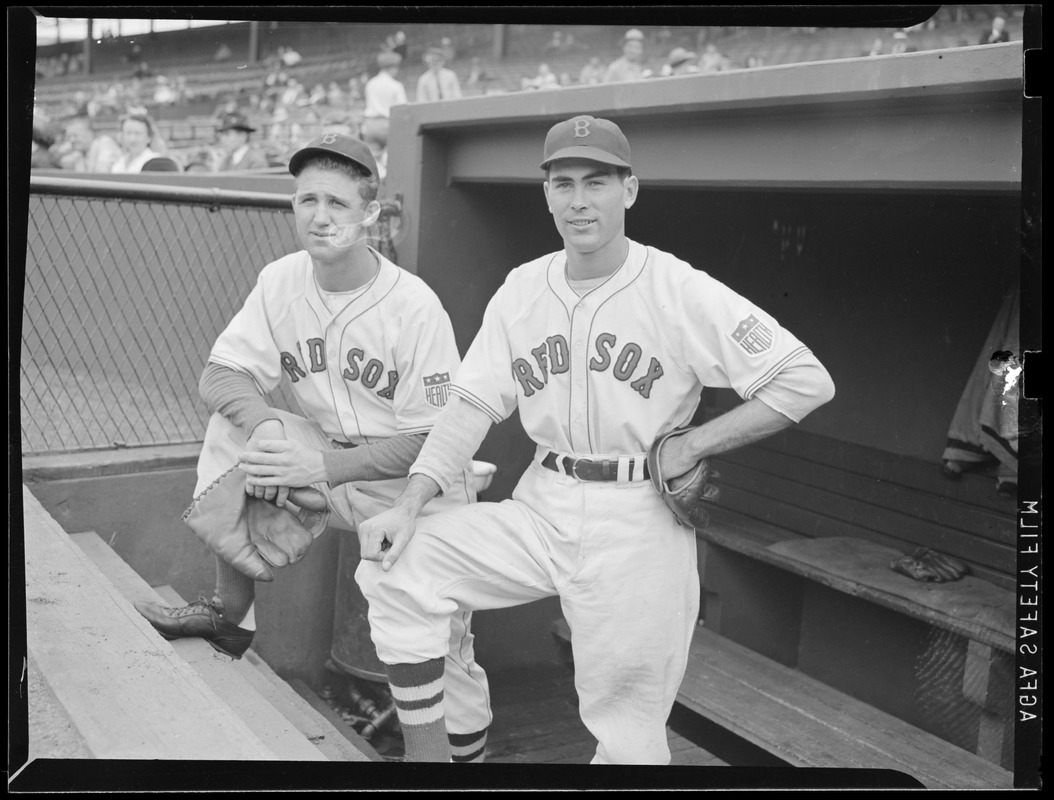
{"x":586,"y":137}
{"x":335,"y":144}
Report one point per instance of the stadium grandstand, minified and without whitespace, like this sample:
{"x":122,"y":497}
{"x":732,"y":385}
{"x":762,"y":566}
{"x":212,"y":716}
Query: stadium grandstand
{"x":187,"y":78}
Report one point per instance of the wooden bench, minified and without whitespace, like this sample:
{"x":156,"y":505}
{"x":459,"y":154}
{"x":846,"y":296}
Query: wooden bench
{"x":806,"y":723}
{"x":796,"y":566}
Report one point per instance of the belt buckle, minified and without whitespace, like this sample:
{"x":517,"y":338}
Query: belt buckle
{"x":574,"y":468}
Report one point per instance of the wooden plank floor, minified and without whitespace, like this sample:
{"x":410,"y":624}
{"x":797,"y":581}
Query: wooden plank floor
{"x":536,"y":722}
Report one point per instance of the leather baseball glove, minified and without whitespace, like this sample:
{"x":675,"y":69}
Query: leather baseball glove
{"x":251,"y":534}
{"x":926,"y":564}
{"x":685,"y":494}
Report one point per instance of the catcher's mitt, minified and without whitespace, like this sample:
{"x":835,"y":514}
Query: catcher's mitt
{"x":926,"y":564}
{"x":684,"y":495}
{"x":252,"y":534}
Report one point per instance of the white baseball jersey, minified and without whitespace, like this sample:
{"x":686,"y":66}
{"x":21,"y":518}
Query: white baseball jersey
{"x":606,"y":373}
{"x":394,"y":345}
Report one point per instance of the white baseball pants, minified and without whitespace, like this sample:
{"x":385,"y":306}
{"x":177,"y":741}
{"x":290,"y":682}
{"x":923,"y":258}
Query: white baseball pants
{"x":625,"y":572}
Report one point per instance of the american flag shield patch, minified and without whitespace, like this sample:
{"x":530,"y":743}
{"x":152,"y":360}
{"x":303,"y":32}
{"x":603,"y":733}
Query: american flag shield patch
{"x":753,"y":335}
{"x":437,"y":388}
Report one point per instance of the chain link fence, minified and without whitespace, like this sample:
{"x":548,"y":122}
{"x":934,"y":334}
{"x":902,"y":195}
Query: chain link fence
{"x":126,"y":288}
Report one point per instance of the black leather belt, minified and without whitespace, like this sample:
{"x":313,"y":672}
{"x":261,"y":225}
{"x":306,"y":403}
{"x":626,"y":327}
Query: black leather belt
{"x":587,"y":469}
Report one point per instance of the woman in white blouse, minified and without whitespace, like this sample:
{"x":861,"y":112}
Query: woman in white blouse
{"x":136,"y":136}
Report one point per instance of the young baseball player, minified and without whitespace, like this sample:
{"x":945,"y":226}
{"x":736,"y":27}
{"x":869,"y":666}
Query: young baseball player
{"x":368,"y":351}
{"x":603,"y":347}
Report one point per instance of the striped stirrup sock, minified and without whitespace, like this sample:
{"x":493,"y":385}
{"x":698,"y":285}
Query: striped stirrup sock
{"x":418,"y":693}
{"x":468,"y":748}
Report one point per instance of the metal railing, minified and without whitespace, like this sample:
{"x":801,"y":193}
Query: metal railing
{"x":126,"y":288}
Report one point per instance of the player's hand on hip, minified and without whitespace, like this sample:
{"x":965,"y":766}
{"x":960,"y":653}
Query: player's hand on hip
{"x":282,"y":464}
{"x":384,"y":537}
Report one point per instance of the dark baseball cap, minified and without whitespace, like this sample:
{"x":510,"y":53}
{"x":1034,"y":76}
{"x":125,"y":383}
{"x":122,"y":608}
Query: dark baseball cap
{"x":586,"y":137}
{"x":336,"y":144}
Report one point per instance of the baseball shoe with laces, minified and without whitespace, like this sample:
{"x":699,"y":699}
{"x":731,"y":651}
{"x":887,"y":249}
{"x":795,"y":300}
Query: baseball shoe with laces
{"x":203,"y":619}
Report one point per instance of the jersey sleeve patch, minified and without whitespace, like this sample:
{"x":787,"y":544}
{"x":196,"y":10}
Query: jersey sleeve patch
{"x":437,"y":388}
{"x":753,"y":336}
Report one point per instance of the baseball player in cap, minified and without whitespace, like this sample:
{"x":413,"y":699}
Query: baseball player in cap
{"x":238,"y":152}
{"x":368,"y":352}
{"x":603,"y":347}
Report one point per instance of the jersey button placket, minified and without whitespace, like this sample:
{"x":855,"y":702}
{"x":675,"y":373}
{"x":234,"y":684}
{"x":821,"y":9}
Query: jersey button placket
{"x":579,"y":373}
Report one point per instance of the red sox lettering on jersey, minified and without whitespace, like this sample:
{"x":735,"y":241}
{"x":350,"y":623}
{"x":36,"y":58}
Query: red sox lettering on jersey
{"x":377,"y":366}
{"x":607,"y":372}
{"x":553,"y":357}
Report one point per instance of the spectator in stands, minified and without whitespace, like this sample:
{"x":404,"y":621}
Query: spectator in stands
{"x":43,"y":155}
{"x":680,"y":62}
{"x":754,"y":61}
{"x":239,"y":153}
{"x":183,"y":92}
{"x":591,"y":73}
{"x":137,"y":135}
{"x":712,"y":60}
{"x":902,"y":43}
{"x":545,"y":79}
{"x":630,"y":67}
{"x":449,"y":51}
{"x":476,"y":74}
{"x":334,"y":95}
{"x":289,"y":56}
{"x":164,"y":94}
{"x":317,"y":95}
{"x":292,"y":94}
{"x":223,"y":53}
{"x":356,"y":86}
{"x":877,"y":47}
{"x":84,"y":151}
{"x":383,"y":91}
{"x":997,"y":33}
{"x":135,"y":59}
{"x":556,"y":43}
{"x":399,"y":45}
{"x":437,"y":82}
{"x":162,"y":164}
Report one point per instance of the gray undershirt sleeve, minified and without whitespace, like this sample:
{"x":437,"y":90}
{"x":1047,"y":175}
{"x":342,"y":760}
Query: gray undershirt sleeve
{"x":453,"y":442}
{"x":380,"y":460}
{"x":235,"y":395}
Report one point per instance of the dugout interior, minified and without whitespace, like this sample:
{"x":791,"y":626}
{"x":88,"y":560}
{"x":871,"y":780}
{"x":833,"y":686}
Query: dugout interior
{"x":872,"y":205}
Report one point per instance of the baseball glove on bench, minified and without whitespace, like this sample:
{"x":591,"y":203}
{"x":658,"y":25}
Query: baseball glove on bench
{"x":251,"y":534}
{"x":686,"y":494}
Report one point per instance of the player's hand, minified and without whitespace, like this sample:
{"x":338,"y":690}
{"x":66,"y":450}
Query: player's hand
{"x":677,"y":459}
{"x":282,"y":463}
{"x":384,"y":537}
{"x":269,"y":429}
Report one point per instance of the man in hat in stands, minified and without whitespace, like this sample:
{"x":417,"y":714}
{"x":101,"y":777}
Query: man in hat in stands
{"x":630,"y":67}
{"x":680,"y":62}
{"x":382,"y":92}
{"x":437,"y":82}
{"x":239,"y":153}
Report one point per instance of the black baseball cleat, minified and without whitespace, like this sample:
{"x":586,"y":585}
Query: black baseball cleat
{"x":203,"y":619}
